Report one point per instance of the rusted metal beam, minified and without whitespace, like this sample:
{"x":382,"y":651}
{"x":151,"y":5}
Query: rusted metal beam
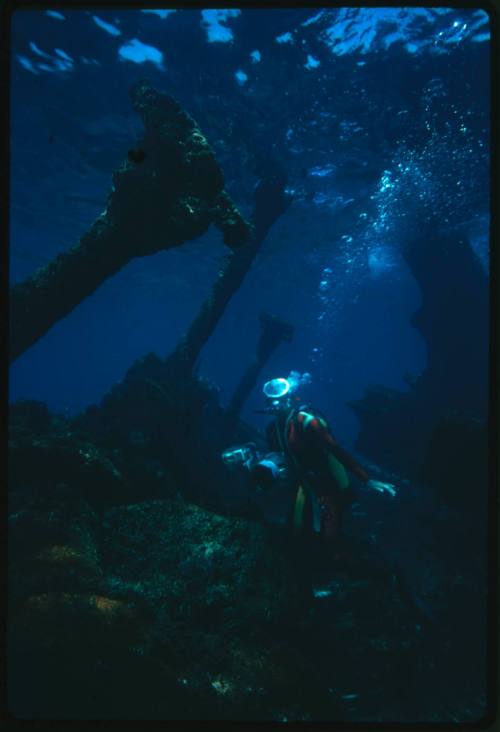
{"x":168,"y":191}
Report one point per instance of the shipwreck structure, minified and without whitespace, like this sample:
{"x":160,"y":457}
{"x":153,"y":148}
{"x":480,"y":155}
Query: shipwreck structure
{"x":274,"y":331}
{"x":166,"y":404}
{"x":437,"y":431}
{"x":167,"y":192}
{"x":126,"y":600}
{"x":270,"y":202}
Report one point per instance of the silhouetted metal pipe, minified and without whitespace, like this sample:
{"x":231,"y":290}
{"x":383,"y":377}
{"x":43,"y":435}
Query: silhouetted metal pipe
{"x":273,"y":332}
{"x":271,"y":201}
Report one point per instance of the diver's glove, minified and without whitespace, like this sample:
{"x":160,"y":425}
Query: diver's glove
{"x":377,"y":485}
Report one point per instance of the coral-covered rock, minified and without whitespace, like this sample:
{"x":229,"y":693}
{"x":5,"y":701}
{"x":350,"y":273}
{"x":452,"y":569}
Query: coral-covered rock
{"x":66,"y":453}
{"x":27,"y":416}
{"x":55,"y":567}
{"x":61,"y":517}
{"x":203,"y":567}
{"x":61,"y":618}
{"x":79,"y":656}
{"x":38,"y":462}
{"x":53,"y":546}
{"x":56,"y":459}
{"x":163,"y":609}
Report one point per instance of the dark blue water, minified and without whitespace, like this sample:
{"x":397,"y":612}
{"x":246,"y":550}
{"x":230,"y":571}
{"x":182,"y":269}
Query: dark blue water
{"x":380,"y":120}
{"x":385,"y":106}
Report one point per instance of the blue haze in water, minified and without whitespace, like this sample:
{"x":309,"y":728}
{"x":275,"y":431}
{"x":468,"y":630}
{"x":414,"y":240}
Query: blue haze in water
{"x":386,"y":106}
{"x":380,"y":119}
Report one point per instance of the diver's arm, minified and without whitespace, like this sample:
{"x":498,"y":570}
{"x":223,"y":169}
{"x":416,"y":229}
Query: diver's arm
{"x":329,"y":441}
{"x":342,"y":455}
{"x":349,"y":462}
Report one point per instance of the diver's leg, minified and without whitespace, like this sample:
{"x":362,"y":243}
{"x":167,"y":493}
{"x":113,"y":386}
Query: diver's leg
{"x":335,"y":496}
{"x":303,"y":552}
{"x":333,"y":506}
{"x":339,"y":551}
{"x":331,"y":520}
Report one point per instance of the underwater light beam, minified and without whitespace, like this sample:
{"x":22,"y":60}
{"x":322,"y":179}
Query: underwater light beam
{"x":111,"y":29}
{"x":63,"y":54}
{"x":140,"y":53}
{"x":241,"y":77}
{"x":26,"y":63}
{"x":38,"y":51}
{"x":212,"y":20}
{"x":54,"y":14}
{"x":284,"y":38}
{"x":161,"y":13}
{"x":312,"y":63}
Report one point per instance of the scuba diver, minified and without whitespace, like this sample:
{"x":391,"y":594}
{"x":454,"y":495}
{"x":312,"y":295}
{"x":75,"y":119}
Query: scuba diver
{"x":304,"y":452}
{"x":315,"y":458}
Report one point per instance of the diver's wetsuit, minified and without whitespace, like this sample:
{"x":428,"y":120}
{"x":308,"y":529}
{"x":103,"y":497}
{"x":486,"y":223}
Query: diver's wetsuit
{"x":317,"y":458}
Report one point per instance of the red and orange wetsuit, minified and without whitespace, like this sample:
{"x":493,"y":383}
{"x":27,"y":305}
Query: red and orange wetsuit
{"x":306,"y":439}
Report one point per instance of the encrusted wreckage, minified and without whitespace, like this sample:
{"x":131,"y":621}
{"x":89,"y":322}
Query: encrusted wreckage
{"x":153,"y":387}
{"x":437,"y":431}
{"x":273,"y":332}
{"x":157,"y":394}
{"x":126,"y":600}
{"x":270,"y":202}
{"x":167,"y":192}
